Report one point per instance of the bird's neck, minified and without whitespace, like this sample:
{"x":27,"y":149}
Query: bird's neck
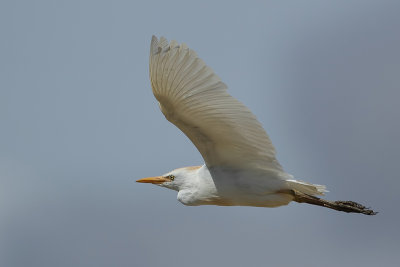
{"x":199,"y":187}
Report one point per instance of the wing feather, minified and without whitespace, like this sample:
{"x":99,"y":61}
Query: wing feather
{"x":193,"y":97}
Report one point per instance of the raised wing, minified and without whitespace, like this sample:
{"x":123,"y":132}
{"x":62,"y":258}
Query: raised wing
{"x":193,"y":98}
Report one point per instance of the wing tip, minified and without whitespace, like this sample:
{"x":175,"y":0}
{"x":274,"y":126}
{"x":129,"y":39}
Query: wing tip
{"x":159,"y":45}
{"x":162,"y":45}
{"x":154,"y":45}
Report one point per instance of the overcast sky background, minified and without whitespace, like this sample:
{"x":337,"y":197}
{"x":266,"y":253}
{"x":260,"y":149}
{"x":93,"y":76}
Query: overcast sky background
{"x":79,"y":124}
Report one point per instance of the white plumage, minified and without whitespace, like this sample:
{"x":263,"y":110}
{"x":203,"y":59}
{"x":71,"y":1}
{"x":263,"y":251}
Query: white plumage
{"x":240,"y":165}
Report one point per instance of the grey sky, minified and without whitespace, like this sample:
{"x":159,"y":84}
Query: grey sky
{"x":79,"y":124}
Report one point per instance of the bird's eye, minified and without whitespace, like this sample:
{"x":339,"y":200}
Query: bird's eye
{"x":172,"y":177}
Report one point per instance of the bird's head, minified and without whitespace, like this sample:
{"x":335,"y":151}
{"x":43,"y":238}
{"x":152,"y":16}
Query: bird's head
{"x":175,"y":180}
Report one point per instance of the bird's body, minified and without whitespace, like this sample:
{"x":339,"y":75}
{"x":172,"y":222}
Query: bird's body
{"x":240,"y":166}
{"x":229,"y":187}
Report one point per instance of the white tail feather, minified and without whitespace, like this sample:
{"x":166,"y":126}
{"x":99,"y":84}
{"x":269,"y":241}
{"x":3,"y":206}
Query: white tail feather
{"x":307,"y":188}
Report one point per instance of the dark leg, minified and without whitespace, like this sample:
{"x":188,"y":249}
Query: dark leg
{"x":346,"y":206}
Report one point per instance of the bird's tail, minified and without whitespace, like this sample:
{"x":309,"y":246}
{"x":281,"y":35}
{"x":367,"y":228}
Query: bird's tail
{"x":307,"y":188}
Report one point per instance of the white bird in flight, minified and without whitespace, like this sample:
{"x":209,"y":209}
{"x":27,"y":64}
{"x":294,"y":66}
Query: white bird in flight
{"x":240,"y":166}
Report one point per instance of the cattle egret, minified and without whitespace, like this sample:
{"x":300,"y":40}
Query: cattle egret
{"x":240,"y":166}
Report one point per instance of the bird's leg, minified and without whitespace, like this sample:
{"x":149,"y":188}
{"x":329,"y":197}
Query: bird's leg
{"x":346,"y":206}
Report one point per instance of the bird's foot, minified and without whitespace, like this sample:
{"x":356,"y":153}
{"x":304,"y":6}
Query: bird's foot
{"x":351,"y":206}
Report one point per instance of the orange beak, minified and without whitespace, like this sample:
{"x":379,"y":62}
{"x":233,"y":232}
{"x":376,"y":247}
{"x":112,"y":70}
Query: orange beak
{"x":154,"y":180}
